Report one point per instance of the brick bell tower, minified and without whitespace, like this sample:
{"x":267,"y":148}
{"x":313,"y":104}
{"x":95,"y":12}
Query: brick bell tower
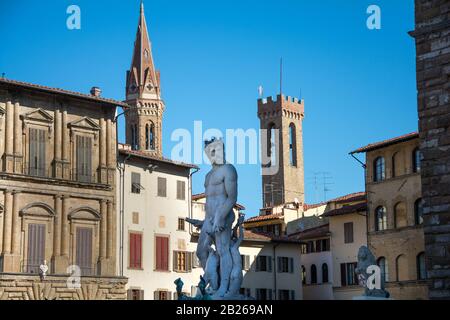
{"x":143,"y":94}
{"x":282,"y":172}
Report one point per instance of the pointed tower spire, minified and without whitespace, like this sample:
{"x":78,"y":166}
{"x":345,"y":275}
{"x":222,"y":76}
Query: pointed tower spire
{"x":142,"y":78}
{"x":143,"y":94}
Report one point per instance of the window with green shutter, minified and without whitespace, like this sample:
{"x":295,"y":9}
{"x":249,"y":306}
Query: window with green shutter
{"x":84,"y":158}
{"x":36,"y":166}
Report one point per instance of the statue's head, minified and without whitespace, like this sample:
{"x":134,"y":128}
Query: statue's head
{"x":215,"y":151}
{"x":363,"y":253}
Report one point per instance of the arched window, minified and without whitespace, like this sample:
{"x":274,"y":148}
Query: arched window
{"x":147,"y":137}
{"x":292,"y":145}
{"x":416,"y":160}
{"x":324,"y":273}
{"x":400,"y":215}
{"x":379,"y":169}
{"x":382,"y":263}
{"x":418,"y":211}
{"x":380,"y":219}
{"x":134,"y":137}
{"x":313,"y":274}
{"x":421,"y":270}
{"x":401,"y":268}
{"x":303,"y":275}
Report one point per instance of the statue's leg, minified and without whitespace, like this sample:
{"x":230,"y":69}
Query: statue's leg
{"x":226,"y":264}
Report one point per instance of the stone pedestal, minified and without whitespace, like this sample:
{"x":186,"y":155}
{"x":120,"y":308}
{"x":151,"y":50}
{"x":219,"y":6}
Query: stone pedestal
{"x":11,"y":263}
{"x":60,"y":264}
{"x":106,"y":267}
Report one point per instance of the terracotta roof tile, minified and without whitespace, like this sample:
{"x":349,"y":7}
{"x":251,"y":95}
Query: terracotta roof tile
{"x":62,"y":91}
{"x":316,"y":232}
{"x":359,"y":207}
{"x":385,"y":143}
{"x":264,"y":218}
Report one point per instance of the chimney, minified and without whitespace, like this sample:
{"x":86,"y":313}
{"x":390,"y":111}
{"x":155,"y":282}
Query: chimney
{"x":96,"y":91}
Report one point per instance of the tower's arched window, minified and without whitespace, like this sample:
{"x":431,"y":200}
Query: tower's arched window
{"x":292,"y":145}
{"x":152,"y":136}
{"x":379,"y":169}
{"x":147,"y":136}
{"x":421,"y":270}
{"x":313,"y":274}
{"x":380,"y":219}
{"x":134,"y":137}
{"x":416,"y":160}
{"x":418,"y":211}
{"x":384,"y":268}
{"x":324,"y":273}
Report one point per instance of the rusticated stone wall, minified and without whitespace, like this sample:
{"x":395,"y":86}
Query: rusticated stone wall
{"x":26,"y":287}
{"x":432,"y":35}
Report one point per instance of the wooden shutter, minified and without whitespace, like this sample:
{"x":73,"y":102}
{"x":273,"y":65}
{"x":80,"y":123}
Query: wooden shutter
{"x":135,"y":251}
{"x":175,"y":265}
{"x":36,"y":164}
{"x":188,"y":261}
{"x":156,"y":295}
{"x":291,"y":265}
{"x":84,"y":159}
{"x":36,"y":247}
{"x":269,"y":263}
{"x":84,"y":250}
{"x":343,"y":275}
{"x":162,"y":187}
{"x":292,"y":294}
{"x":348,"y":232}
{"x":41,"y":154}
{"x":279,"y":264}
{"x":162,"y":253}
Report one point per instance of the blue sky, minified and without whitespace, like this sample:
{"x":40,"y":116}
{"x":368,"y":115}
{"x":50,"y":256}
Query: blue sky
{"x":358,"y":85}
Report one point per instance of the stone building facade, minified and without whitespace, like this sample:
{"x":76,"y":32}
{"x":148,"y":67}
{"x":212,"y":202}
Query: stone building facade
{"x":432,"y":35}
{"x":282,"y":150}
{"x":58,"y":173}
{"x":395,"y":214}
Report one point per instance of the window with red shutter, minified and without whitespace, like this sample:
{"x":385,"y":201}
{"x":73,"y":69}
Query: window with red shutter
{"x":162,"y":253}
{"x":135,"y":251}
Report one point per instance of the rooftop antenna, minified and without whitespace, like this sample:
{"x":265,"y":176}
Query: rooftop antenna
{"x":281,"y":76}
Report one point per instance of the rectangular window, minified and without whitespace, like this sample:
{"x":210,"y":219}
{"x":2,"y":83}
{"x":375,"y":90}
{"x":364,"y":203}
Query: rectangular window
{"x":263,"y":294}
{"x":325,"y":244}
{"x":348,"y":232}
{"x":245,"y":260}
{"x":84,"y":245}
{"x":264,"y":263}
{"x":162,"y":295}
{"x":181,"y":224}
{"x":182,"y":261}
{"x":286,"y":295}
{"x":36,"y":247}
{"x":84,"y":158}
{"x":162,"y":187}
{"x":135,"y":251}
{"x":181,"y":190}
{"x":36,"y":166}
{"x":136,"y":183}
{"x":285,"y":265}
{"x":135,"y":294}
{"x":162,"y":253}
{"x":348,"y":274}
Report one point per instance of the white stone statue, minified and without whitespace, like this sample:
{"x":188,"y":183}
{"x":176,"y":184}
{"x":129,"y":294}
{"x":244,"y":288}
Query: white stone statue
{"x":43,"y":269}
{"x":218,"y":244}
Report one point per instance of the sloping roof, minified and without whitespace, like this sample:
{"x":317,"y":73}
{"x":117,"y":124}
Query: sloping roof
{"x":150,"y":156}
{"x":312,"y":233}
{"x":359,"y":207}
{"x":199,"y":196}
{"x":357,"y":196}
{"x":388,"y":142}
{"x":264,"y":218}
{"x":267,"y":237}
{"x":74,"y":94}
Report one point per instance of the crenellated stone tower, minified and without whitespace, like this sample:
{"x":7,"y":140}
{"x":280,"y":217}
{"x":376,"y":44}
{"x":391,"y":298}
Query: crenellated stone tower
{"x":282,"y":173}
{"x":143,"y":93}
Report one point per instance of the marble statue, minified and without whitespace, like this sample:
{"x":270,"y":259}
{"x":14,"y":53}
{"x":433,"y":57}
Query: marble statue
{"x":43,"y":269}
{"x":218,"y":243}
{"x":366,"y":261}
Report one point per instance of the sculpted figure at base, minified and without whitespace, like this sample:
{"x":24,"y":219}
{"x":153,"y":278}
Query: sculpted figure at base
{"x":368,"y":275}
